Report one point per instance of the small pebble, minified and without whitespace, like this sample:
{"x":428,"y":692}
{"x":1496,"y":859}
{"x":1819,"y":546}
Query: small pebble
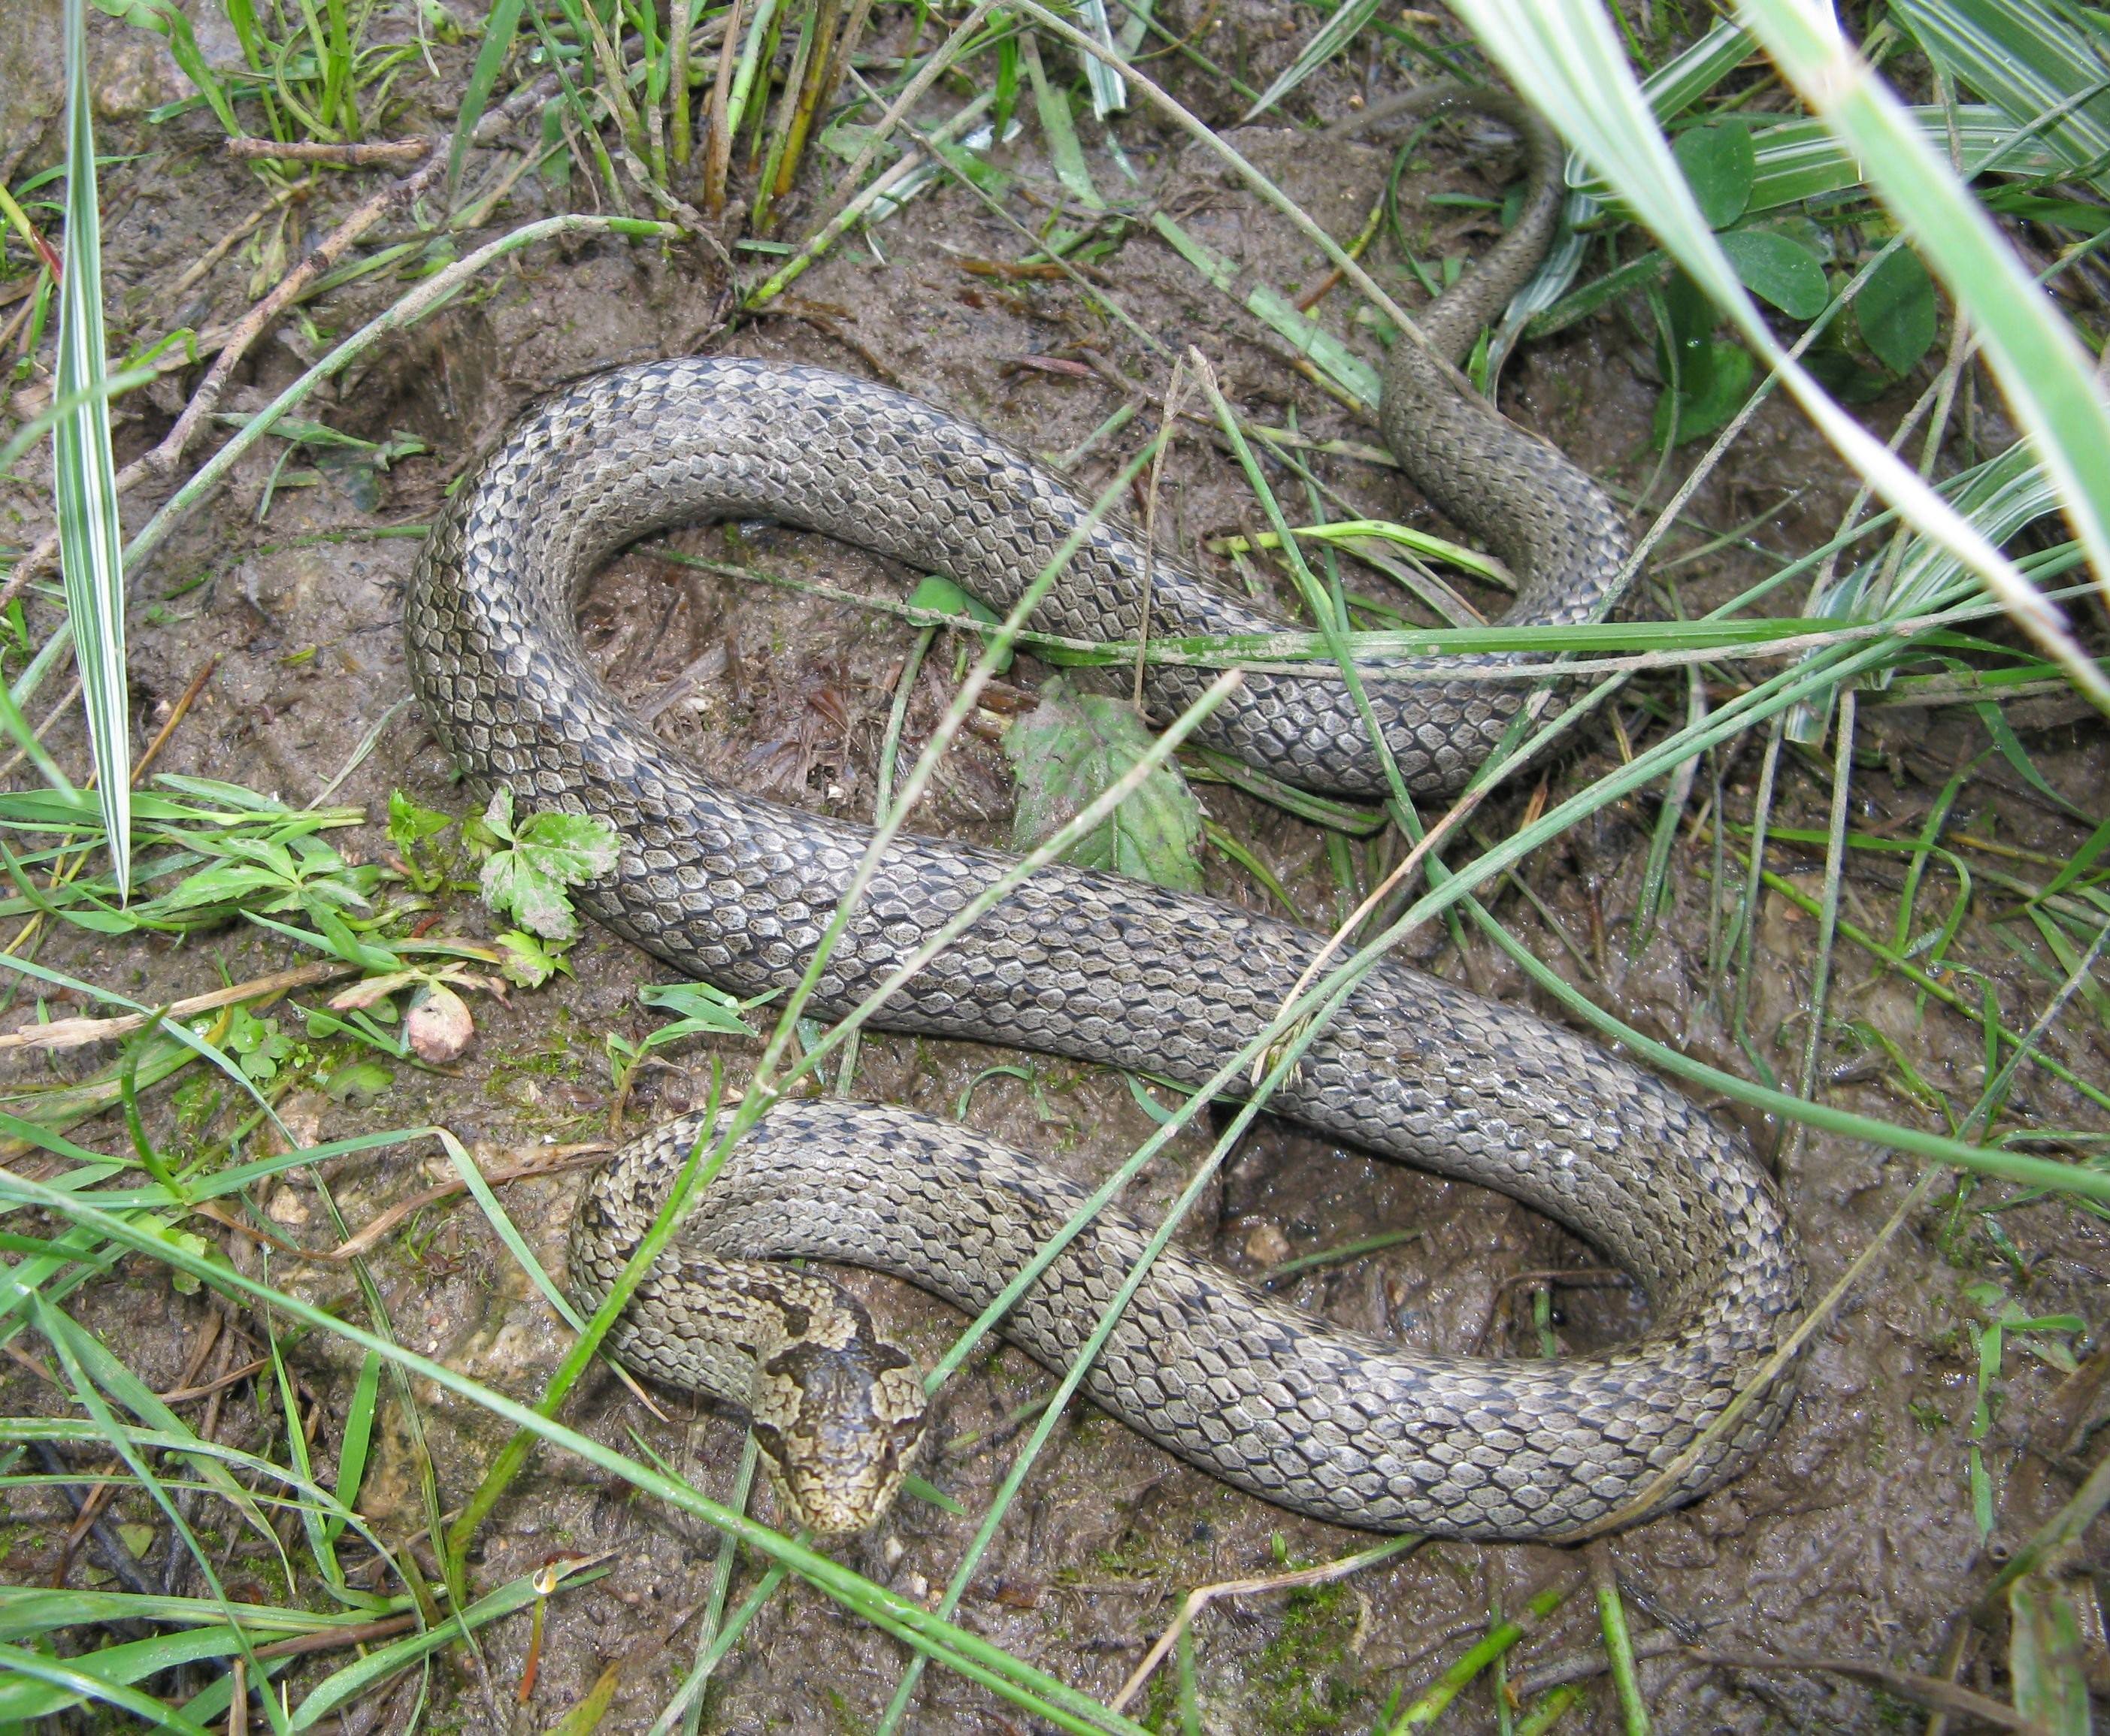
{"x":1266,"y":1244}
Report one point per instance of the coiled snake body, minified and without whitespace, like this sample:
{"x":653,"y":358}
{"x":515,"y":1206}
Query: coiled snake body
{"x":737,"y":890}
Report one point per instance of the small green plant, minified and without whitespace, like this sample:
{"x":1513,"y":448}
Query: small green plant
{"x":308,"y":68}
{"x":259,"y":1046}
{"x":535,"y":862}
{"x":412,"y":829}
{"x":2008,"y":1321}
{"x":699,"y":1010}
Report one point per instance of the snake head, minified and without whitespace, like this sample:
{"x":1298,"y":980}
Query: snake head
{"x":838,"y":1424}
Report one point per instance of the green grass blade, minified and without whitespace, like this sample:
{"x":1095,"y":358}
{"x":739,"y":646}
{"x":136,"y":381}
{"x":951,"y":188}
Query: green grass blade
{"x":499,"y":29}
{"x":85,"y":474}
{"x":86,"y":1684}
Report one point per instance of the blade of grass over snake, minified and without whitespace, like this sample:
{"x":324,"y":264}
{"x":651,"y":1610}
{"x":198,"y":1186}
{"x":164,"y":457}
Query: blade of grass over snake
{"x":1563,"y":56}
{"x":702,"y":1164}
{"x":84,"y":473}
{"x":764,"y":1089}
{"x":971,"y":1656}
{"x":1283,"y":1062}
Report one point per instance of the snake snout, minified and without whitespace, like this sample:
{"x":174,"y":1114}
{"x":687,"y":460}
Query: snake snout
{"x":839,"y":1425}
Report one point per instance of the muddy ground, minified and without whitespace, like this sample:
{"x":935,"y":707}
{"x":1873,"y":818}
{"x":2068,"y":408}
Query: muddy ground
{"x":1853,"y":1539}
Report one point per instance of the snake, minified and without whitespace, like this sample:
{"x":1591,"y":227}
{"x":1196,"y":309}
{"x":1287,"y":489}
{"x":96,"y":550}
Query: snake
{"x":1353,"y":1428}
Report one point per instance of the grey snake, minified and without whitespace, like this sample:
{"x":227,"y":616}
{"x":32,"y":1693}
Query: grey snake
{"x":737,"y":891}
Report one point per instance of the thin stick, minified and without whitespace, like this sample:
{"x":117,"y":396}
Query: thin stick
{"x":75,"y":1033}
{"x":177,"y":713}
{"x":383,"y":151}
{"x":717,"y":130}
{"x":1202,"y":1596}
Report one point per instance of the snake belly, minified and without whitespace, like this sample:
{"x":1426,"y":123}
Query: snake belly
{"x":737,"y":890}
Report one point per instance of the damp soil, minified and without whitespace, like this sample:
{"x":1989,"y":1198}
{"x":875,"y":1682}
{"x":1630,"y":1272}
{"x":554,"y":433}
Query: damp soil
{"x":1854,"y":1537}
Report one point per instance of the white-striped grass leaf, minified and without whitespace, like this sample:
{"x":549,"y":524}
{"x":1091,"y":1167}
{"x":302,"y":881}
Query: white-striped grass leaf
{"x":1109,"y":89}
{"x":1998,"y":498}
{"x":1683,"y":80}
{"x":2023,"y":58}
{"x":1801,"y":159}
{"x":1565,"y":57}
{"x":85,"y":474}
{"x":1329,"y":39}
{"x":115,"y":386}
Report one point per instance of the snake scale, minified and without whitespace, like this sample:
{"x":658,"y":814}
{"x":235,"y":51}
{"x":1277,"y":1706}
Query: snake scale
{"x":737,"y":891}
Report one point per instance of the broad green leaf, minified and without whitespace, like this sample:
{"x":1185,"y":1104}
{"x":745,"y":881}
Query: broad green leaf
{"x":1720,"y":163}
{"x":551,"y":853}
{"x":1896,"y":311}
{"x":1071,"y":748}
{"x":1724,"y":382}
{"x":570,"y":848}
{"x":1779,"y":270}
